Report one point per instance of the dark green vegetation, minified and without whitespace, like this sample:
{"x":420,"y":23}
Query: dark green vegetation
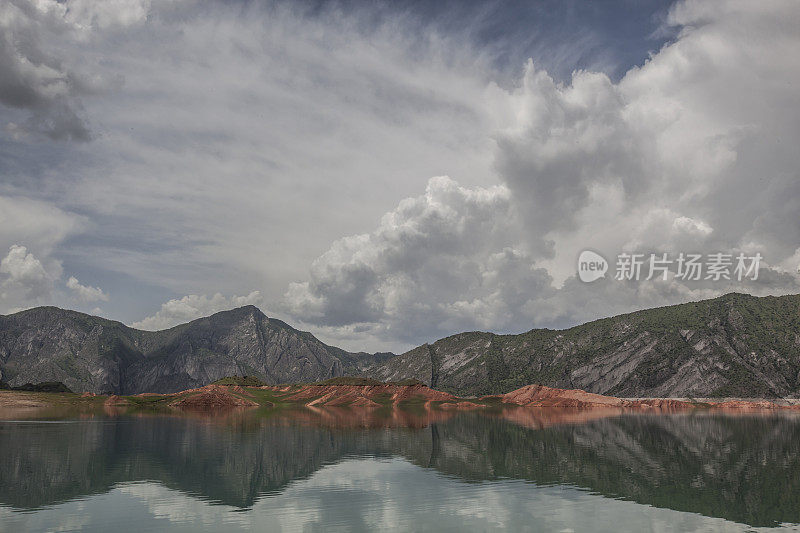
{"x":47,"y":386}
{"x":744,"y":469}
{"x":93,"y":354}
{"x":367,"y":382}
{"x":736,"y":345}
{"x":242,"y":381}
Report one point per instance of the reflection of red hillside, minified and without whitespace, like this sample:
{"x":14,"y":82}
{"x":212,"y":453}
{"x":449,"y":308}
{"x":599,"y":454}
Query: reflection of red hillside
{"x":362,"y":395}
{"x":543,"y":417}
{"x":340,"y":417}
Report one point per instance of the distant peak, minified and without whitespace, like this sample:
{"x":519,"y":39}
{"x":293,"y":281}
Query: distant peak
{"x":252,"y":309}
{"x":50,"y":309}
{"x":242,"y":311}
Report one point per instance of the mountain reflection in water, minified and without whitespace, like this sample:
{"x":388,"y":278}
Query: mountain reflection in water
{"x":743,"y":469}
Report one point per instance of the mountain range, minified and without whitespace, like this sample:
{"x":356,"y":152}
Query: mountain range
{"x":89,"y":353}
{"x":736,"y":345}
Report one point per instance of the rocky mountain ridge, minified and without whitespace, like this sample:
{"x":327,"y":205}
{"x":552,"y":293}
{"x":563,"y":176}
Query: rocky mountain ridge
{"x":92,"y":354}
{"x":732,"y":346}
{"x":736,"y":345}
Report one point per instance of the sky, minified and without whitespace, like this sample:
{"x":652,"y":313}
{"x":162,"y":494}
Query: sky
{"x":384,"y":174}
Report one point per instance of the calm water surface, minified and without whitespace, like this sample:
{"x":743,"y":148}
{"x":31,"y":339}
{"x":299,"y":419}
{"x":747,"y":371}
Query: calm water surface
{"x":331,"y":470}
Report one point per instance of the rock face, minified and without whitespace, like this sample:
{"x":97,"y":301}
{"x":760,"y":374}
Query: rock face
{"x":733,"y":346}
{"x":92,"y":354}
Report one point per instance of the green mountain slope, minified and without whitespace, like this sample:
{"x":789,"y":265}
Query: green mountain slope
{"x":735,"y":345}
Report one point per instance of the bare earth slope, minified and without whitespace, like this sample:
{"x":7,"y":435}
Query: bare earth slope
{"x":537,"y":399}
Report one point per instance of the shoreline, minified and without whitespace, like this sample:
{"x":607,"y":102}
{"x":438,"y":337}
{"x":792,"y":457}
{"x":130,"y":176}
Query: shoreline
{"x":377,"y":395}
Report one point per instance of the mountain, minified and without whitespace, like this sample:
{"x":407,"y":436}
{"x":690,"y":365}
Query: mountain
{"x":89,"y":353}
{"x":735,"y":345}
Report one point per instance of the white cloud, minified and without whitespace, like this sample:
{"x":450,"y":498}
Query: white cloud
{"x":86,"y":293}
{"x":236,"y":138}
{"x":691,"y":226}
{"x":33,"y":225}
{"x":241,"y":144}
{"x":23,"y":272}
{"x":688,"y":152}
{"x":194,"y":306}
{"x":302,"y":130}
{"x":440,"y":261}
{"x":39,"y":224}
{"x":109,"y":13}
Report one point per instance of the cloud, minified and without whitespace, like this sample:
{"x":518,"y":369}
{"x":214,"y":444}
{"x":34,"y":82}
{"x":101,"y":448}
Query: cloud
{"x":39,"y":224}
{"x":35,"y":73}
{"x":245,"y":142}
{"x":443,"y":260}
{"x":193,"y":306}
{"x":86,"y":293}
{"x":35,"y":78}
{"x":668,"y":159}
{"x":23,"y":272}
{"x":303,"y":129}
{"x":33,"y":225}
{"x":108,"y":14}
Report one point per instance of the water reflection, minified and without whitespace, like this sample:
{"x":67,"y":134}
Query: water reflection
{"x":743,"y":469}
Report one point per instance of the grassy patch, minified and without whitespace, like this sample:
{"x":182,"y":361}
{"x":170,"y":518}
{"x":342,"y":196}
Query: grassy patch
{"x":367,"y":382}
{"x":349,"y":380}
{"x":267,"y":398}
{"x":242,"y":381}
{"x":384,"y":399}
{"x":149,"y":402}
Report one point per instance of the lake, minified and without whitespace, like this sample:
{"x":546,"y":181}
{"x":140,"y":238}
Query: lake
{"x":342,"y":470}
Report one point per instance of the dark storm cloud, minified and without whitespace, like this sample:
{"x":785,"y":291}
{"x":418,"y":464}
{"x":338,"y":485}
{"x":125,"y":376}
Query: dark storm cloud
{"x":34,"y":78}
